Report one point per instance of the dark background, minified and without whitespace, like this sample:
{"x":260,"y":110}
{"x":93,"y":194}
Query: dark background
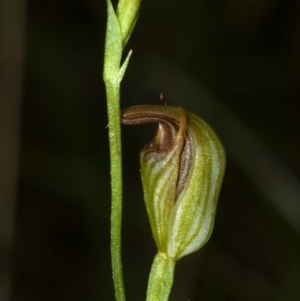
{"x":234,"y":63}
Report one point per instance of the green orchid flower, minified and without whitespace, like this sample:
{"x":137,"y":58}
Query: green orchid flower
{"x":182,"y":170}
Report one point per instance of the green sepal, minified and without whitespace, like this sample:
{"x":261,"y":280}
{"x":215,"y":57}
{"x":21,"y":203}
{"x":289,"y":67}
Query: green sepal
{"x":159,"y":171}
{"x":194,"y":212}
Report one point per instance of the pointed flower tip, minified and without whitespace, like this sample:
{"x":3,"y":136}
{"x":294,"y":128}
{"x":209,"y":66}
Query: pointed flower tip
{"x":127,"y":13}
{"x":182,"y":171}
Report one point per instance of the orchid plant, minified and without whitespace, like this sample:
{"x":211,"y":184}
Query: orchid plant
{"x":182,"y":167}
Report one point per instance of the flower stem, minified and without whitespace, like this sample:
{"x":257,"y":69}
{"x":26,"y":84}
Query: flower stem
{"x":113,"y":99}
{"x":161,"y":278}
{"x":118,"y":30}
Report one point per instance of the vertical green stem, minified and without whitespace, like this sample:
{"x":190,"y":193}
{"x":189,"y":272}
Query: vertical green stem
{"x":118,"y":30}
{"x":161,"y":278}
{"x":113,"y":100}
